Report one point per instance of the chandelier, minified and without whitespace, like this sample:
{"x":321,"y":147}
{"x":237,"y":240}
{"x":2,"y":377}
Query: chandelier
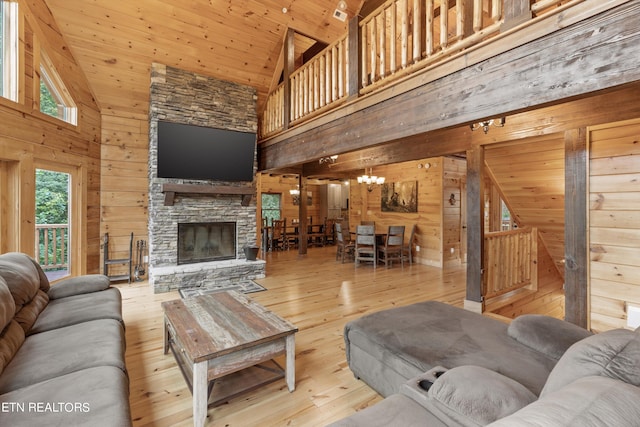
{"x":370,"y":180}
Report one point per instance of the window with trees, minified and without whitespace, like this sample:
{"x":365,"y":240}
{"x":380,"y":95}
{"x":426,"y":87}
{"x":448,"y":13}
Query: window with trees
{"x":9,"y":50}
{"x":55,"y":100}
{"x":270,"y":207}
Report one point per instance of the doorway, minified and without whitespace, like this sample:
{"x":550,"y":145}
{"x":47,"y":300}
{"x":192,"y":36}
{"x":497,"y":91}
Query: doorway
{"x":53,"y":222}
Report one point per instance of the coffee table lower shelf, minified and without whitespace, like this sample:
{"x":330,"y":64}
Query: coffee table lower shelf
{"x":225,"y":388}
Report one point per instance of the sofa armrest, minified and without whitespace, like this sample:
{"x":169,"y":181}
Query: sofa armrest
{"x":545,"y":334}
{"x":79,"y":285}
{"x":470,"y":395}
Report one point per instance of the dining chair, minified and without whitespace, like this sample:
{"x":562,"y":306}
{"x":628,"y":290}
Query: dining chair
{"x":393,"y":246}
{"x":329,"y":231}
{"x":366,"y":246}
{"x":344,"y":246}
{"x":407,"y":249}
{"x":278,"y":234}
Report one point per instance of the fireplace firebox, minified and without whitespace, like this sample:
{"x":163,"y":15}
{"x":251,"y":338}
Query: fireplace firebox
{"x":206,"y":241}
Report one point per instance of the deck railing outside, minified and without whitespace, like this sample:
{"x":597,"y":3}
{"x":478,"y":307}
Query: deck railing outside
{"x":399,"y":38}
{"x":510,"y":261}
{"x":52,"y":243}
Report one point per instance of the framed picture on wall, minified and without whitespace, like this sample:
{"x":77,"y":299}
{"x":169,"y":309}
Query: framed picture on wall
{"x":296,"y":199}
{"x":400,"y":196}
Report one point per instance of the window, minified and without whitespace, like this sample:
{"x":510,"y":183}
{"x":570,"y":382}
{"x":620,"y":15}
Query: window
{"x":270,"y":207}
{"x":9,"y":50}
{"x":55,"y":100}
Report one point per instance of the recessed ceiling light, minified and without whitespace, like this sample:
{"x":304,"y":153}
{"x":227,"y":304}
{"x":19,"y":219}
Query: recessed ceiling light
{"x":284,"y":10}
{"x":342,"y":5}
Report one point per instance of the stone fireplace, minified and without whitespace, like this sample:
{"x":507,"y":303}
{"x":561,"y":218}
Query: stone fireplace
{"x":197,"y":240}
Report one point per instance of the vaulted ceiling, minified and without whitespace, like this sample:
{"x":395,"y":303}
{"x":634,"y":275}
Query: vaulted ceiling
{"x":115,"y":42}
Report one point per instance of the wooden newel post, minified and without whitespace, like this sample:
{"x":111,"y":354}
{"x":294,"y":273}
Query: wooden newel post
{"x":354,"y":83}
{"x":516,"y":12}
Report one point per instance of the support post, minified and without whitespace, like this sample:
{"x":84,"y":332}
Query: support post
{"x":475,"y":232}
{"x":289,"y":67}
{"x":302,"y":216}
{"x":576,"y":294}
{"x":355,"y":51}
{"x":515,"y":13}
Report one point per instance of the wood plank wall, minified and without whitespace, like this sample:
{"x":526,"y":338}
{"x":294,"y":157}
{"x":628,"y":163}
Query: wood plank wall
{"x":438,"y":221}
{"x":30,"y":140}
{"x":614,"y":222}
{"x":124,"y":185}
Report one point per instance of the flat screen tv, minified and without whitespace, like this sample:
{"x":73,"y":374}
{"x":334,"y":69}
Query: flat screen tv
{"x":204,"y":153}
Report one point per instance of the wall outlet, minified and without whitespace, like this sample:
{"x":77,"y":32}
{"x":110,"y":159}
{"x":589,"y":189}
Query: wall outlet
{"x":145,"y":259}
{"x":417,"y":248}
{"x":633,"y":316}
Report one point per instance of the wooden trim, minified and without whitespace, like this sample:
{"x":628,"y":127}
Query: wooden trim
{"x":170,"y":190}
{"x":575,"y":238}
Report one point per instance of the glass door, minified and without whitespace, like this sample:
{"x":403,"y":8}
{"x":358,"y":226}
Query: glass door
{"x":53,"y":222}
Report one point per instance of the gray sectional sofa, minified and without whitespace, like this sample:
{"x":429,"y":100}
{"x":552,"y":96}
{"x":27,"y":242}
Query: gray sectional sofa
{"x":61,"y":349}
{"x":439,"y":365}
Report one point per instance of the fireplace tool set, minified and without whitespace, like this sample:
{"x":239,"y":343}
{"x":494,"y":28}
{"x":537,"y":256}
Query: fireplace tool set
{"x":139,"y":269}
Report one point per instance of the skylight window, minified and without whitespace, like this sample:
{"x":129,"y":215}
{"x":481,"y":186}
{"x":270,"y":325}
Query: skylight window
{"x":9,"y":50}
{"x":55,"y":100}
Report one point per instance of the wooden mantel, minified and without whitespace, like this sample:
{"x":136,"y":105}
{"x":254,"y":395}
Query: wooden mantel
{"x":170,"y":191}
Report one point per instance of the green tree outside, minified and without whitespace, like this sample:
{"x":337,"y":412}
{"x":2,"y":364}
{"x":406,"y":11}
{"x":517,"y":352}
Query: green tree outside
{"x":48,"y":103}
{"x":52,"y":207}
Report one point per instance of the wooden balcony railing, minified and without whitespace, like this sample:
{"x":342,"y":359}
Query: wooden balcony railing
{"x":52,"y":243}
{"x":398,"y":39}
{"x":510,"y":261}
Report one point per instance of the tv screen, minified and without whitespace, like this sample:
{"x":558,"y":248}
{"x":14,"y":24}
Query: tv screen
{"x":196,"y":152}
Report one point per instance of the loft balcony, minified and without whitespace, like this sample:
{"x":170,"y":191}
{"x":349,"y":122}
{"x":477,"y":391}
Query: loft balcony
{"x":417,"y":66}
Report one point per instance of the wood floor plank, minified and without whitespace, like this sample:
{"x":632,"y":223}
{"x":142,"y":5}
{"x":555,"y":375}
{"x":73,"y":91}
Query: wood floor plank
{"x":318,"y":295}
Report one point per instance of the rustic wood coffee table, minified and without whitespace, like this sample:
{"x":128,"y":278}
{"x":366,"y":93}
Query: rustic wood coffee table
{"x":218,"y":334}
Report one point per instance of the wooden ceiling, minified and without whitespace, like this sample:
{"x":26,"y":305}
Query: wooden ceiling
{"x":115,"y":42}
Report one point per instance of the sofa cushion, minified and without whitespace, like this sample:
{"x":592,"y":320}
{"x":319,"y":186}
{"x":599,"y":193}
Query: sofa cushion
{"x":75,"y":309}
{"x":472,"y":395}
{"x":29,"y":312}
{"x":412,"y":339}
{"x":22,"y":277}
{"x":61,"y":351}
{"x":586,"y":402}
{"x":11,"y":338}
{"x":395,"y":410}
{"x":90,"y":397}
{"x":614,"y":354}
{"x":79,"y":285}
{"x":7,"y":305}
{"x":546,"y":334}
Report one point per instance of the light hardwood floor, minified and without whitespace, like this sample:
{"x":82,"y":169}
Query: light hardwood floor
{"x":316,"y":293}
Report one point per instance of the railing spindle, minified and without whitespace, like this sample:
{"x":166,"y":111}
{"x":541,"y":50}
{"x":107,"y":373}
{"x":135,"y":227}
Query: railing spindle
{"x":417,"y":38}
{"x":404,"y":33}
